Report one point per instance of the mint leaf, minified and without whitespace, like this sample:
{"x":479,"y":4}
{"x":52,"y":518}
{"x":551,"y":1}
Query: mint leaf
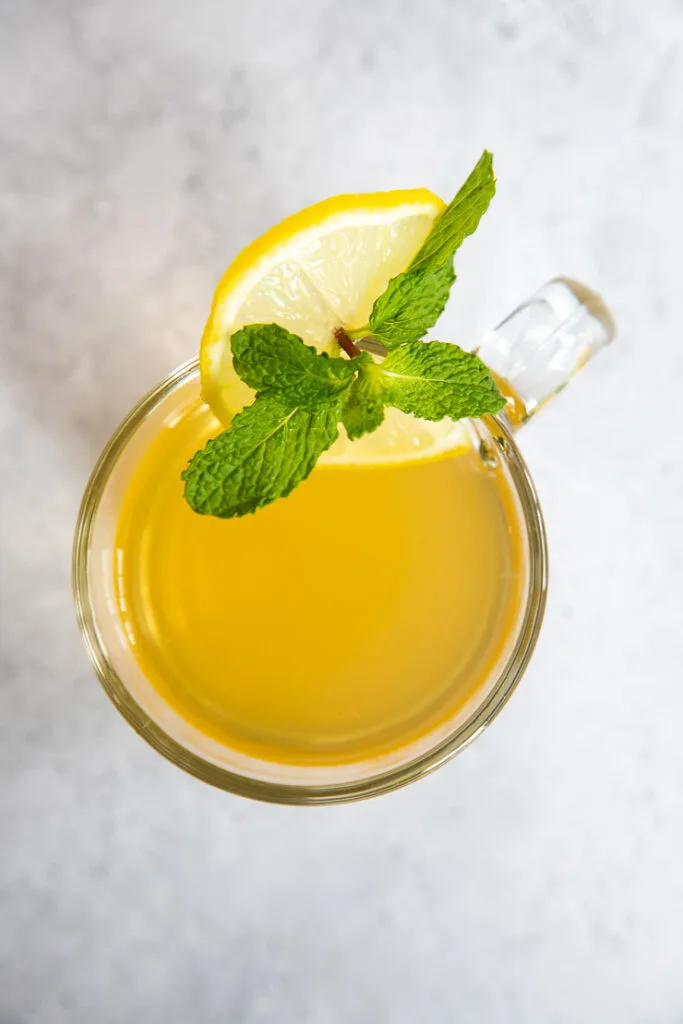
{"x":411,"y":304}
{"x":362,"y":408}
{"x":413,"y":301}
{"x":434,"y":379}
{"x":461,"y":216}
{"x":274,"y":362}
{"x":269,"y":448}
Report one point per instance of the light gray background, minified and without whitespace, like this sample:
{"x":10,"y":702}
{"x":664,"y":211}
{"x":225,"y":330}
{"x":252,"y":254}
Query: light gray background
{"x":536,"y":879}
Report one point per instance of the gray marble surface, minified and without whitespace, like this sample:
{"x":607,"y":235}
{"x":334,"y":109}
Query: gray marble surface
{"x":538,"y":878}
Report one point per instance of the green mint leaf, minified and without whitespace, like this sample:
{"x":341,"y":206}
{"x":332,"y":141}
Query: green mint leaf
{"x":413,"y":301}
{"x":269,"y":448}
{"x":434,"y":379}
{"x":362,"y":407}
{"x":461,"y":216}
{"x":411,"y":304}
{"x":274,"y":362}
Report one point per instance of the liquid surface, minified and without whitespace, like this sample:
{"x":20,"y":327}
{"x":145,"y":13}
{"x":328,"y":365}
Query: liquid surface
{"x":339,"y":624}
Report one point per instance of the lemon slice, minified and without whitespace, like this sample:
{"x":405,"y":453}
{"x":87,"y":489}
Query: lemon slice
{"x":401,"y":438}
{"x":319,"y":270}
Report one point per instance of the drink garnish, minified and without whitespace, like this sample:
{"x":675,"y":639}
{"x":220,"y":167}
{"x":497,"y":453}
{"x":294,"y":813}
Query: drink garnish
{"x":302,"y":395}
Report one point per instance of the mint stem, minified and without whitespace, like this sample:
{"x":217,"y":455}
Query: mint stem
{"x":345,"y":343}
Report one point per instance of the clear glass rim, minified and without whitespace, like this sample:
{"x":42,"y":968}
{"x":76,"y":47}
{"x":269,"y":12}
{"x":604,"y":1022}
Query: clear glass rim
{"x":286,"y":793}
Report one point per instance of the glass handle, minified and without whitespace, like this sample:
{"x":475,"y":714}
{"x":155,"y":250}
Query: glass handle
{"x":538,"y":348}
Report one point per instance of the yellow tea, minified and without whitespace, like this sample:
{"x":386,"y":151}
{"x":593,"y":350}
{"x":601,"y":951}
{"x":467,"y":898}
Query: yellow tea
{"x":339,"y":625}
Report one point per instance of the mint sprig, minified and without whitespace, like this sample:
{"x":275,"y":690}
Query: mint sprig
{"x":273,"y":444}
{"x":301,"y":394}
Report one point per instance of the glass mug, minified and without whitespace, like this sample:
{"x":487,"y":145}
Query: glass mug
{"x":533,"y":354}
